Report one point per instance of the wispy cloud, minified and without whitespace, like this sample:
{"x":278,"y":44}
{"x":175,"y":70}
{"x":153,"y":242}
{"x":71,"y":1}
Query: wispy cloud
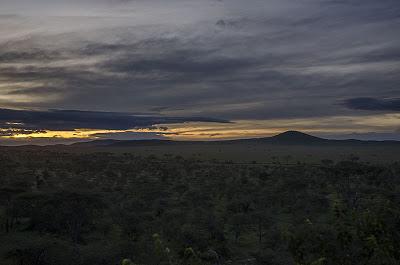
{"x":267,"y":60}
{"x":69,"y":120}
{"x":373,"y":104}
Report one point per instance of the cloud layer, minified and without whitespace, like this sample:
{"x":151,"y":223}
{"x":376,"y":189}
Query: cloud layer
{"x":230,"y":60}
{"x":374,"y":104}
{"x":69,"y":120}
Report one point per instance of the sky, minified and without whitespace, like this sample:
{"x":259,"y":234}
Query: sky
{"x":198,"y":70}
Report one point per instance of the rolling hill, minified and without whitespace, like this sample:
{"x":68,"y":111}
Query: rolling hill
{"x":285,"y":138}
{"x":299,"y":146}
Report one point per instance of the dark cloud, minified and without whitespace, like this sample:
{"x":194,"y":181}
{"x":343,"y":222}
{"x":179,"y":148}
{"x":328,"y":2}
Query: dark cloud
{"x":72,"y":119}
{"x":184,"y":64}
{"x":373,"y":104}
{"x":41,"y":90}
{"x":12,"y":132}
{"x":28,"y":56}
{"x":268,"y":60}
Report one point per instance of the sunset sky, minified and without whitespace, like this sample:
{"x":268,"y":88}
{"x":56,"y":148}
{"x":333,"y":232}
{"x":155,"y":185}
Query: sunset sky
{"x":198,"y":69}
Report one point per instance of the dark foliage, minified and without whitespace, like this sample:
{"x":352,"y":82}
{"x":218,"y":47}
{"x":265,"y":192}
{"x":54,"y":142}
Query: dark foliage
{"x":103,"y":208}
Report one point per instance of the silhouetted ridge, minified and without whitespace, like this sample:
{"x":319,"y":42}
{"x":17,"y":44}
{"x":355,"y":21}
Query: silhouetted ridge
{"x":286,"y":138}
{"x":106,"y":142}
{"x":295,"y":137}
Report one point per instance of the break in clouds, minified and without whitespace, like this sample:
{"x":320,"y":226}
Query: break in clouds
{"x":224,"y":60}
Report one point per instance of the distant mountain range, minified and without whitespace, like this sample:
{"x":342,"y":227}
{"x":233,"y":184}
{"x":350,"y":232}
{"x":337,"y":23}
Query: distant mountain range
{"x":286,"y":138}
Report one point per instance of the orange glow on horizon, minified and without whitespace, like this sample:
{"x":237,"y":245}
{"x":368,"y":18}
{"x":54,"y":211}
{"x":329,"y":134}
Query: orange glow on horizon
{"x":236,"y":129}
